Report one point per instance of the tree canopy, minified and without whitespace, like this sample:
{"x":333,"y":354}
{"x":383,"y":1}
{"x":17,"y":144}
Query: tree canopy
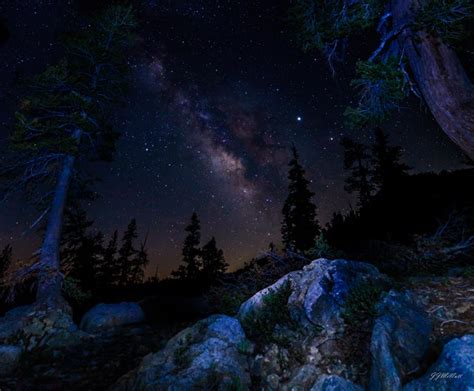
{"x":63,"y":120}
{"x":415,"y":54}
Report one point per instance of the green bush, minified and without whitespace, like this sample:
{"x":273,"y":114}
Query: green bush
{"x":322,"y":249}
{"x":260,"y":324}
{"x":361,"y":302}
{"x":72,"y":290}
{"x":231,"y":302}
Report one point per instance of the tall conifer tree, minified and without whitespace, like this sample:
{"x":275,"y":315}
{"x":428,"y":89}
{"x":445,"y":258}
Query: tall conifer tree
{"x":62,"y":120}
{"x":357,"y":162}
{"x":387,"y":168}
{"x":108,"y":271}
{"x":139,"y":262}
{"x":300,"y":225}
{"x":213,"y":262}
{"x":127,"y":253}
{"x":191,"y":252}
{"x":81,"y":250}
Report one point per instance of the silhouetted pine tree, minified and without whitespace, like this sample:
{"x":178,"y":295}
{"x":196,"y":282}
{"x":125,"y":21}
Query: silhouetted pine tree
{"x":108,"y":272}
{"x":300,"y":226}
{"x":139,"y":262}
{"x":5,"y":260}
{"x":387,"y":168}
{"x":75,"y":227}
{"x":191,"y":252}
{"x":63,"y":121}
{"x":357,"y":162}
{"x":127,"y":253}
{"x":213,"y":262}
{"x":81,"y":250}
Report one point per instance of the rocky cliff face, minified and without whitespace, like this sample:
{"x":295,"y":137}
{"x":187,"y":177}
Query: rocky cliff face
{"x":306,"y":332}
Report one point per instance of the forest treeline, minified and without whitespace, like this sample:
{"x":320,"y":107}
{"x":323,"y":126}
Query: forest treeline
{"x":404,"y":223}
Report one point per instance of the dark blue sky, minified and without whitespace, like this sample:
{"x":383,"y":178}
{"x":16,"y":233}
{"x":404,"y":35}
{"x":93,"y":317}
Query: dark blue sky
{"x":217,"y":88}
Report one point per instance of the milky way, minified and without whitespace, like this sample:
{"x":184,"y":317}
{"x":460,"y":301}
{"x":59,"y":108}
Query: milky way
{"x":215,"y":134}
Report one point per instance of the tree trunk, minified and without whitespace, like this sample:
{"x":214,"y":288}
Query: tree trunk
{"x":50,"y":277}
{"x":440,"y":76}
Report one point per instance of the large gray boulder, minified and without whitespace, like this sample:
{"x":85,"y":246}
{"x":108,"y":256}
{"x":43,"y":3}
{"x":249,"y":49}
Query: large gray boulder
{"x":33,"y":327}
{"x":211,"y":355}
{"x":334,"y":383}
{"x":318,"y":291}
{"x":453,"y":371}
{"x":9,"y":358}
{"x":298,"y":323}
{"x":400,"y":341}
{"x":106,"y":316}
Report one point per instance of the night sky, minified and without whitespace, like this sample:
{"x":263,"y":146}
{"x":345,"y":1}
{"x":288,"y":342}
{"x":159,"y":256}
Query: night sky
{"x":219,"y":92}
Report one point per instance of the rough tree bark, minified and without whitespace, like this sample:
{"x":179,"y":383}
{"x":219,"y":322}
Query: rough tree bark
{"x":440,"y":76}
{"x":50,"y":276}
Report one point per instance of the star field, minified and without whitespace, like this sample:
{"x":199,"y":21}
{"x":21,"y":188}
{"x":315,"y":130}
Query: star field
{"x":219,"y":92}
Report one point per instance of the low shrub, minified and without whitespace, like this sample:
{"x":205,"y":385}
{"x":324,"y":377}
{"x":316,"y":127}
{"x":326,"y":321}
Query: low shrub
{"x":260,"y":324}
{"x":361,"y":302}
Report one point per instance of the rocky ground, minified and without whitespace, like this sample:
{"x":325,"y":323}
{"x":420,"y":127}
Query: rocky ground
{"x":449,"y":303}
{"x":304,"y":332}
{"x":94,"y":365}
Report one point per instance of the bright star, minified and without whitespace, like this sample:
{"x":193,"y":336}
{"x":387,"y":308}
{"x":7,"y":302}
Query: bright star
{"x":299,"y":119}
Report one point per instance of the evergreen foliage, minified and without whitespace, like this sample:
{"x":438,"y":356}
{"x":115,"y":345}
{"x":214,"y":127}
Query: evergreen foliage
{"x":300,"y":226}
{"x":322,"y":249}
{"x":382,"y":87}
{"x":131,"y":261}
{"x":92,"y":267}
{"x":357,"y":162}
{"x":260,"y":324}
{"x":386,"y":165}
{"x":324,"y":25}
{"x":361,"y":302}
{"x":375,"y":168}
{"x":395,"y":228}
{"x":139,"y":262}
{"x":191,"y":252}
{"x":127,"y":252}
{"x":74,"y":291}
{"x":383,"y":80}
{"x":82,"y":250}
{"x":63,"y":120}
{"x":108,"y":270}
{"x":65,"y":108}
{"x":446,"y":19}
{"x":213,"y":262}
